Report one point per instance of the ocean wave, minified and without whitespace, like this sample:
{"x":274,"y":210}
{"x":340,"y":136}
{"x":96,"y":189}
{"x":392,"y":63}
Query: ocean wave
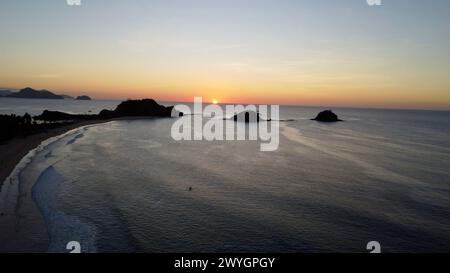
{"x":74,"y":139}
{"x":11,"y":195}
{"x":62,"y":228}
{"x":43,"y":147}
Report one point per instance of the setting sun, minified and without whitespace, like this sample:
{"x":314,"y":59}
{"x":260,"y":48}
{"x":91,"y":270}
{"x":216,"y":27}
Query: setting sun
{"x":215,"y":102}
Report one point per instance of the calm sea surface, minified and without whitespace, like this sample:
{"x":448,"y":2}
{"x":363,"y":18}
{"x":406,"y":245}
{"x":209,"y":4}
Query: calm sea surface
{"x":382,"y":175}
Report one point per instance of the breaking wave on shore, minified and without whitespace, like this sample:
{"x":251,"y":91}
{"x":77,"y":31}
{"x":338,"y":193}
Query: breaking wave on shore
{"x":35,"y":180}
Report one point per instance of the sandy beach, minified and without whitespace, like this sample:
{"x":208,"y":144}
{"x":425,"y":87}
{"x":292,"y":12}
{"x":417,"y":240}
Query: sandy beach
{"x":12,"y":151}
{"x":12,"y":196}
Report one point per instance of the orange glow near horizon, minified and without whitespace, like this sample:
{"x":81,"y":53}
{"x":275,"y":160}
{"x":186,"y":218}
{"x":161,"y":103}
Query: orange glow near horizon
{"x":352,"y":97}
{"x":334,"y":85}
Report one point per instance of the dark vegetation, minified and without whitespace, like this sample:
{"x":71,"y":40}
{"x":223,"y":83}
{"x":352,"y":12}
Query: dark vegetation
{"x":21,"y":126}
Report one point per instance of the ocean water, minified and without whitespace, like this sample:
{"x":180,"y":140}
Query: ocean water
{"x":123,"y":186}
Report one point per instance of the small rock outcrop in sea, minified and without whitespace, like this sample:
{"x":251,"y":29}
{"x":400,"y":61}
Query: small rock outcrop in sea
{"x":30,"y":93}
{"x":327,"y":116}
{"x":247,"y":117}
{"x":83,"y":98}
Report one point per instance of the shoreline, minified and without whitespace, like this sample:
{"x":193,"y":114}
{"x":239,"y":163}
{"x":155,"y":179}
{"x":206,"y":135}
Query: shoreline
{"x":35,"y":238}
{"x":12,"y":151}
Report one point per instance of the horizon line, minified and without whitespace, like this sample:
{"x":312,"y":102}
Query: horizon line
{"x":439,"y":109}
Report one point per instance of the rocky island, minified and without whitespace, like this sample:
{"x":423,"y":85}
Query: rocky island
{"x":83,"y":98}
{"x":327,"y":116}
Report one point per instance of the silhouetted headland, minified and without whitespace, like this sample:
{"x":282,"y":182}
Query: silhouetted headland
{"x":327,"y":116}
{"x":20,"y":134}
{"x":136,"y":108}
{"x":129,"y":108}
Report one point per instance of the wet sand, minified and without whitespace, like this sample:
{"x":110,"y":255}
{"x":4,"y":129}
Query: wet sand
{"x":17,"y":208}
{"x":12,"y":151}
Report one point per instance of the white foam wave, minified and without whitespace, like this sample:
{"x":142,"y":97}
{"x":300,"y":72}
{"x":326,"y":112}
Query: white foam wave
{"x":10,"y":196}
{"x":62,"y":228}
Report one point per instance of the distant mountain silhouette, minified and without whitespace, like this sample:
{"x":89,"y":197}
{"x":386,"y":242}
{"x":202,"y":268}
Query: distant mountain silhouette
{"x":327,"y":116}
{"x":30,"y":93}
{"x":83,"y":98}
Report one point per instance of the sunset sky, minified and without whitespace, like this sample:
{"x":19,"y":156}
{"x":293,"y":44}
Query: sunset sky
{"x":306,"y":52}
